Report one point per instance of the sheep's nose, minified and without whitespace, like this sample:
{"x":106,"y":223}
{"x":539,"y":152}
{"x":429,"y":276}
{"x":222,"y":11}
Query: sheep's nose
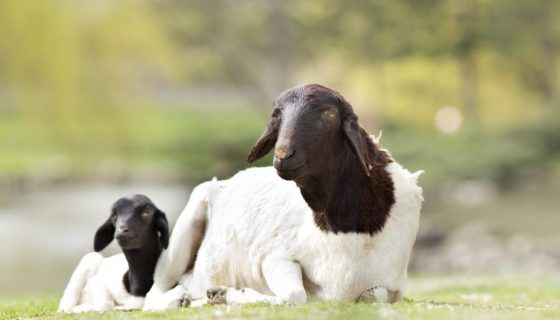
{"x":284,"y":152}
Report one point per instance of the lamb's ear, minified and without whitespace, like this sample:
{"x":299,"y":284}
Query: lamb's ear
{"x":162,"y":226}
{"x":104,"y":235}
{"x":266,"y":142}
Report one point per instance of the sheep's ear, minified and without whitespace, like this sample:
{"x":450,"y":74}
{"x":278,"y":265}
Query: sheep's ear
{"x":356,"y":141}
{"x":266,"y":142}
{"x":162,"y":226}
{"x":104,"y":235}
{"x":355,"y":138}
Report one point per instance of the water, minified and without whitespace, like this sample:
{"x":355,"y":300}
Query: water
{"x":43,"y":234}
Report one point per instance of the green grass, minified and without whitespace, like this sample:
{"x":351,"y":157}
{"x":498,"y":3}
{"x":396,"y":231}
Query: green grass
{"x":429,"y":297}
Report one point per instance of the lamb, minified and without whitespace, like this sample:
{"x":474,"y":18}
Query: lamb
{"x":119,"y":282}
{"x":334,"y":219}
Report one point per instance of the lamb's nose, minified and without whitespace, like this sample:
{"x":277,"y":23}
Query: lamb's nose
{"x":284,"y":152}
{"x":122,"y":230}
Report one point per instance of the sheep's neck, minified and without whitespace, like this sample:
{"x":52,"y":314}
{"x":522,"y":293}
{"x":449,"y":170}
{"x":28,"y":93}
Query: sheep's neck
{"x":141,"y":265}
{"x":347,"y":200}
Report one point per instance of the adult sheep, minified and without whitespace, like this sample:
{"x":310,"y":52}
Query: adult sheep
{"x":335,"y":220}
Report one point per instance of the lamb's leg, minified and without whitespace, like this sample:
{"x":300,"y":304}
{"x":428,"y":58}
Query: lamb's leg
{"x":379,"y":295}
{"x":131,"y":303}
{"x":101,"y":300}
{"x":83,"y":308}
{"x":93,"y":308}
{"x":284,"y":278}
{"x":85,"y":270}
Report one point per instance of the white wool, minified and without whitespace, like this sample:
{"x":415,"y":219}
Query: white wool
{"x":97,"y":285}
{"x":260,"y":235}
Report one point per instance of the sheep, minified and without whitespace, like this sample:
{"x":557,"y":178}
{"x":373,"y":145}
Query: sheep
{"x":335,"y":218}
{"x":119,"y":282}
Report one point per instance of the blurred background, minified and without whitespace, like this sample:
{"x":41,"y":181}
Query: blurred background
{"x":100,"y":99}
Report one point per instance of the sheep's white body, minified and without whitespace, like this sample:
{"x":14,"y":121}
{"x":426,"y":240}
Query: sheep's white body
{"x":260,"y":235}
{"x":97,"y":285}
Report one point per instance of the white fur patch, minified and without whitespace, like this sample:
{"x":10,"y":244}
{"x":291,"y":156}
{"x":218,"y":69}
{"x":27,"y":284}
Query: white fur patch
{"x":261,"y":235}
{"x":97,"y":285}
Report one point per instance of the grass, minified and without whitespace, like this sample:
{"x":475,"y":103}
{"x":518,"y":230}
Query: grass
{"x":429,"y":297}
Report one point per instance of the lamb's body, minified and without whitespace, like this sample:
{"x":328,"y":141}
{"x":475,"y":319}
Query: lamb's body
{"x":256,"y":221}
{"x":97,"y":285}
{"x":119,"y":282}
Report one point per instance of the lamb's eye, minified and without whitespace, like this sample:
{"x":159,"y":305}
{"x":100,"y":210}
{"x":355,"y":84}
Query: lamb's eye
{"x":147,"y":214}
{"x":330,"y":113}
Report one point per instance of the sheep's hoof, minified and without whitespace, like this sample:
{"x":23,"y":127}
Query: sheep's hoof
{"x":185,"y":303}
{"x":217,"y":295}
{"x":373,"y":295}
{"x":379,"y":295}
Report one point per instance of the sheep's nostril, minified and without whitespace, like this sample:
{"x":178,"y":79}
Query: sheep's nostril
{"x":283,"y":153}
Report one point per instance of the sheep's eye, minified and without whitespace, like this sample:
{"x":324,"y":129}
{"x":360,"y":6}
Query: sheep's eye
{"x":330,"y":113}
{"x":147,"y":214}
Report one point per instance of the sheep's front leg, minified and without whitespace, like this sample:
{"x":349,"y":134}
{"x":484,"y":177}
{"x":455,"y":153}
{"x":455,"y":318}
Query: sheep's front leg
{"x":183,"y":247}
{"x":379,"y":295}
{"x":171,"y":299}
{"x":284,"y":278}
{"x":232,"y":296}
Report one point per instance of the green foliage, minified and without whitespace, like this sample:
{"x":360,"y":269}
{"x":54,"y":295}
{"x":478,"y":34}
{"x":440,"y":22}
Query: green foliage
{"x":84,"y":83}
{"x":195,"y":144}
{"x":198,"y":144}
{"x":501,"y":156}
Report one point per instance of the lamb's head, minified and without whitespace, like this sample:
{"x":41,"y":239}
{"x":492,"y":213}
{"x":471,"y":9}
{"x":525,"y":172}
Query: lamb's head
{"x":311,"y":127}
{"x":136,"y":223}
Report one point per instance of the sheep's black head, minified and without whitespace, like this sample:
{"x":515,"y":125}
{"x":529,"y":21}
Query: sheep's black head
{"x":135,"y":222}
{"x":311,"y":125}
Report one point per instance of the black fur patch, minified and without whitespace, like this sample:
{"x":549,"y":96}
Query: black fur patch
{"x":340,"y":171}
{"x":351,"y":201}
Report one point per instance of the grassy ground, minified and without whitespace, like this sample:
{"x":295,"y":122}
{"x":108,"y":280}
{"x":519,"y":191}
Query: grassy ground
{"x":429,"y":297}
